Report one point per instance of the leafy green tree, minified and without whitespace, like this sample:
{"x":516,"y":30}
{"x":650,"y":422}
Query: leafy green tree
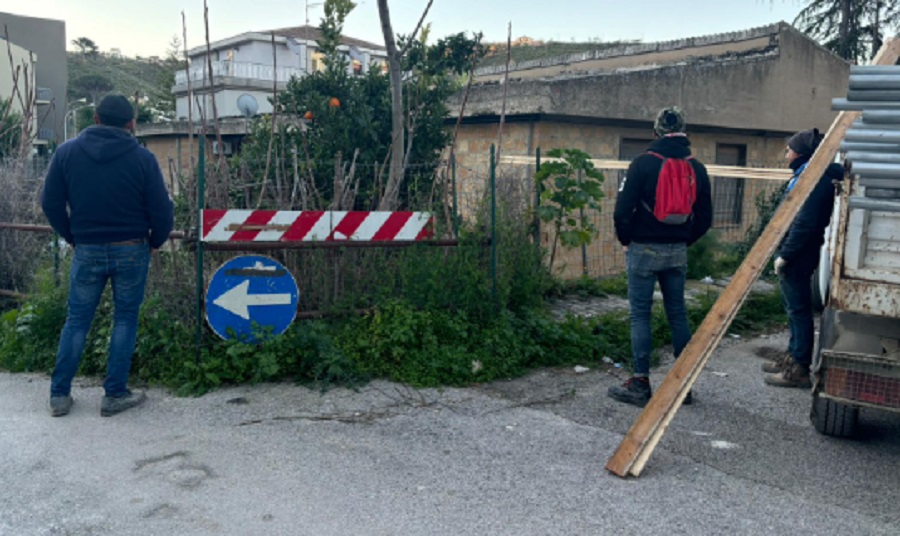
{"x":853,"y":29}
{"x":91,"y":86}
{"x":335,"y":129}
{"x":84,"y":117}
{"x":567,"y":185}
{"x":86,"y":46}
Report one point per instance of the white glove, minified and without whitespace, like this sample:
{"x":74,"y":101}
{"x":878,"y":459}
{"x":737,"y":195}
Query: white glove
{"x":779,"y":265}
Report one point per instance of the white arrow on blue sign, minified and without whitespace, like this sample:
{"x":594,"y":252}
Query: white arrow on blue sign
{"x":247,"y":290}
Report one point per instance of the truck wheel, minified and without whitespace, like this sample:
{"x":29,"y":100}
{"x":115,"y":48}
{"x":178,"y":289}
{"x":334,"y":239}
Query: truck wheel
{"x":833,"y":418}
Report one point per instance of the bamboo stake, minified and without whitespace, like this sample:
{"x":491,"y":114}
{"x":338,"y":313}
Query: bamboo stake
{"x":505,"y":91}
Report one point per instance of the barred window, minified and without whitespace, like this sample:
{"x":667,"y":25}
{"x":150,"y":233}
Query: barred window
{"x":629,"y":149}
{"x":728,"y":192}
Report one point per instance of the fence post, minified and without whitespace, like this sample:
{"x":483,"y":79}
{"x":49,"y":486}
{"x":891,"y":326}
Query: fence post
{"x":584,"y":267}
{"x":493,"y":229}
{"x":455,"y":195}
{"x":201,"y":195}
{"x":537,"y":199}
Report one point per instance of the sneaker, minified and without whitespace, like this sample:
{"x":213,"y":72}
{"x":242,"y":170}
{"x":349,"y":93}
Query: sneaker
{"x":796,"y":375}
{"x":777,"y":365}
{"x":60,"y":405}
{"x":636,"y":391}
{"x":112,"y":405}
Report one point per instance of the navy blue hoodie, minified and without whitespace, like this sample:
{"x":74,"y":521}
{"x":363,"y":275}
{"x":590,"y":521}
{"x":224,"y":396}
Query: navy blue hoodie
{"x":104,"y":187}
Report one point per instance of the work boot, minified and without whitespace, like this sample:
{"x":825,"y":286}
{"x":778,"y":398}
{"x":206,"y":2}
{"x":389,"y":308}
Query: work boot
{"x":117,"y":404}
{"x":636,"y":391}
{"x":796,"y":375}
{"x":60,"y":405}
{"x":778,"y":364}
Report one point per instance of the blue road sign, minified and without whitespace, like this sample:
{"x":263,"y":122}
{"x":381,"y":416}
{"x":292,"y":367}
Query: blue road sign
{"x":251,"y":289}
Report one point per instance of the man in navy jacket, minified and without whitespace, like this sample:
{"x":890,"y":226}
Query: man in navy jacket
{"x":796,"y":261}
{"x":104,"y":194}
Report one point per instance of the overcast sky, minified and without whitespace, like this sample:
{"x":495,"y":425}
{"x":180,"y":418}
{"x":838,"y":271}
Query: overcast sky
{"x":146,"y":27}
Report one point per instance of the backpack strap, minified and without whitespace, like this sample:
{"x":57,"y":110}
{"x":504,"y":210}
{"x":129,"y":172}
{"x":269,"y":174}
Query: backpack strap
{"x":664,"y":158}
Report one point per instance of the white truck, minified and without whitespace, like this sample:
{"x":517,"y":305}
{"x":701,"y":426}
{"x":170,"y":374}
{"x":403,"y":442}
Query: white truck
{"x":857,"y":363}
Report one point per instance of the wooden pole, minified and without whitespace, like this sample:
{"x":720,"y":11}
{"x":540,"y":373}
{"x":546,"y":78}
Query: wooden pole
{"x":638,"y":444}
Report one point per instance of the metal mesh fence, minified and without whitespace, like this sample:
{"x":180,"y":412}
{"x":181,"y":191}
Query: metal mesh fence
{"x":330,"y":278}
{"x":22,"y":251}
{"x":739,"y":208}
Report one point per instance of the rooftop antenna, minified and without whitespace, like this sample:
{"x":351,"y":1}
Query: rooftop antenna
{"x":306,"y":32}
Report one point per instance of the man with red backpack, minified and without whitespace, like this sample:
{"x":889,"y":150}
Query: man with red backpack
{"x":663,"y":206}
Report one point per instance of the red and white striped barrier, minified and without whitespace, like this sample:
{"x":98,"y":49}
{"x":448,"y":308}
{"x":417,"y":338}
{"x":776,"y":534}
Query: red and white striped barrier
{"x":310,"y":226}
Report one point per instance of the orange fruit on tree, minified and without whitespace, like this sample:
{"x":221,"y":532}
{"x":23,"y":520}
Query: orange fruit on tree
{"x":334,"y":102}
{"x":308,"y":116}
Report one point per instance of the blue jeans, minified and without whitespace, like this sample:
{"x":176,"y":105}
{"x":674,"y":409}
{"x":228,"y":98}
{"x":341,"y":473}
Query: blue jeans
{"x":646,"y":265}
{"x":796,"y":295}
{"x":93,"y":265}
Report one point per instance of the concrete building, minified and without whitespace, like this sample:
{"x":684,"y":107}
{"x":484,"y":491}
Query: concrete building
{"x":45,"y":38}
{"x":17,"y":85}
{"x":243,"y":65}
{"x":743,"y":93}
{"x":246,"y":64}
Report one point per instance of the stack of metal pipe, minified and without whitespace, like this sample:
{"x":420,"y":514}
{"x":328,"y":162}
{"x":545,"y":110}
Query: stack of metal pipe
{"x":871,"y":146}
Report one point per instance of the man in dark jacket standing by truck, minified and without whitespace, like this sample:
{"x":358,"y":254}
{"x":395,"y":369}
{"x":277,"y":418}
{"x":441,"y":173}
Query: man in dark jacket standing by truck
{"x":656,"y":251}
{"x":105,"y":195}
{"x":796,"y":261}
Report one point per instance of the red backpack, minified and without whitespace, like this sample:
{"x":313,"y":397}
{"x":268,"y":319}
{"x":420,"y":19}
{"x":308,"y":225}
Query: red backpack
{"x":676,"y":190}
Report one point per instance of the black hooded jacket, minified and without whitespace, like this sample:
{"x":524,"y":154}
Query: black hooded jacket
{"x":104,"y":187}
{"x":634,"y":223}
{"x":807,"y":232}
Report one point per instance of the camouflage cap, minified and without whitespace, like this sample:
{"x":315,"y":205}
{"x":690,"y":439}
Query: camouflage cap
{"x":669,"y":121}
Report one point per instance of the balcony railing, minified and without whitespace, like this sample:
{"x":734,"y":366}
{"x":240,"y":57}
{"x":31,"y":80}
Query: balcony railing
{"x":47,"y":134}
{"x":250,"y":71}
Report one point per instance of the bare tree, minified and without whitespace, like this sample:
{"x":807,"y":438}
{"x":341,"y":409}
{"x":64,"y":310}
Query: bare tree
{"x":390,"y":199}
{"x":395,"y":176}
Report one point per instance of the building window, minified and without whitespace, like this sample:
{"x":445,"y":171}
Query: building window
{"x":317,"y":61}
{"x":728,"y":192}
{"x":629,"y":149}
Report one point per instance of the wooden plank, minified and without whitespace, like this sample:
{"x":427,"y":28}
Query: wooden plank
{"x":738,"y":172}
{"x":648,"y":429}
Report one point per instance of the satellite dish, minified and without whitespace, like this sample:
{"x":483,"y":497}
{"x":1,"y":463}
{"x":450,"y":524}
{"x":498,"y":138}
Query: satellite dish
{"x":247,"y":105}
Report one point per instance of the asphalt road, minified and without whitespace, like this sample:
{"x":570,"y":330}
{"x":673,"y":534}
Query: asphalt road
{"x":522,"y":457}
